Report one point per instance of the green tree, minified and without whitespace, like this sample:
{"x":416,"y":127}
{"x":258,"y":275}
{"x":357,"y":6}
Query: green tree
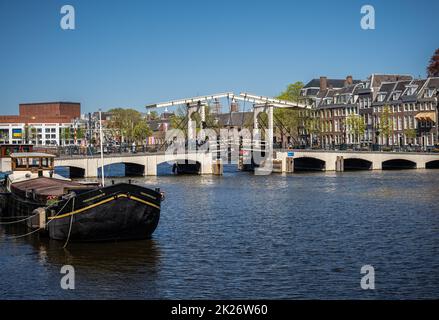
{"x":289,"y":119}
{"x":312,"y":127}
{"x":80,"y":133}
{"x":123,"y":122}
{"x":141,"y":131}
{"x":33,"y":134}
{"x":292,"y":92}
{"x":356,"y":126}
{"x":153,"y":115}
{"x":179,"y":120}
{"x":411,"y":134}
{"x":386,"y":123}
{"x":66,"y":134}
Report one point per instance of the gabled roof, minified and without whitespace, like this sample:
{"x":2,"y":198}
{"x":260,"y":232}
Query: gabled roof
{"x":377,"y":79}
{"x":386,"y":88}
{"x":331,"y":83}
{"x":347,"y":89}
{"x":234,"y":119}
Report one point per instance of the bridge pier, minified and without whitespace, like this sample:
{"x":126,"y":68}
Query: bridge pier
{"x":330,"y":163}
{"x":339,"y":164}
{"x":420,"y":164}
{"x":377,"y":165}
{"x":151,"y":166}
{"x":217,"y":167}
{"x":206,"y":163}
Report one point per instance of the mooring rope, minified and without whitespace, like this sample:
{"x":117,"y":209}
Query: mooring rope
{"x":18,"y":221}
{"x":45,"y":225}
{"x":71,"y":222}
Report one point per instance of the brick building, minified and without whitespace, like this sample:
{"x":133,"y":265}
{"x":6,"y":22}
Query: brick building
{"x":41,"y":124}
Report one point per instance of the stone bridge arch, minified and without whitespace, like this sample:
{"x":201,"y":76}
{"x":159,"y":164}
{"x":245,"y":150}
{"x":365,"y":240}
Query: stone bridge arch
{"x":357,"y":163}
{"x":398,"y":163}
{"x":127,"y":169}
{"x":433,"y":164}
{"x":70,"y":171}
{"x":309,"y":163}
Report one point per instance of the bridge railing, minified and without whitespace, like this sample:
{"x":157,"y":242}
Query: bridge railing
{"x":214,"y":147}
{"x":92,"y":151}
{"x":365,"y":148}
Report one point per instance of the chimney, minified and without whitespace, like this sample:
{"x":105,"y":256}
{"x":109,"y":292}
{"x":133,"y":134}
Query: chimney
{"x":323,"y":83}
{"x":348,"y":81}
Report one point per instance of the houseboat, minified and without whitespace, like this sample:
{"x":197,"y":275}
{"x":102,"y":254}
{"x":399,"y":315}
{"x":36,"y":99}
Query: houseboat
{"x":7,"y":149}
{"x":73,"y":211}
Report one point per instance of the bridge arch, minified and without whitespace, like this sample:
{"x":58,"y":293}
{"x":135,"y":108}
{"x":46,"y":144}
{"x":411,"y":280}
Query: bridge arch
{"x":397,"y":164}
{"x":434,"y":164}
{"x":179,"y":166}
{"x":357,"y":164}
{"x":70,"y":171}
{"x":122,"y":169}
{"x":309,"y":164}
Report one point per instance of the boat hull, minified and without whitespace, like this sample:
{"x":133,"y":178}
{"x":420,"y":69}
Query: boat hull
{"x":121,"y":219}
{"x":16,"y":208}
{"x":121,"y":211}
{"x":118,"y":212}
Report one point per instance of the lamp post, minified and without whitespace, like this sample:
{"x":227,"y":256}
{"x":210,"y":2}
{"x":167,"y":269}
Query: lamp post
{"x":102,"y":149}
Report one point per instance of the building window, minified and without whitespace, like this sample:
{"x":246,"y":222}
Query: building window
{"x":428,"y":93}
{"x":411,"y":90}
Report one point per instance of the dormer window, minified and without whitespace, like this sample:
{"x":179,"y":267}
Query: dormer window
{"x":411,"y":90}
{"x":395,"y":95}
{"x":381,"y":97}
{"x":428,"y":93}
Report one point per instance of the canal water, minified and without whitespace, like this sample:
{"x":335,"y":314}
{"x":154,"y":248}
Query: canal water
{"x":240,"y":236}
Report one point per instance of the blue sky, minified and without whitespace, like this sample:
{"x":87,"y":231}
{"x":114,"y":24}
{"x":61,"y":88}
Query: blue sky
{"x":131,"y":53}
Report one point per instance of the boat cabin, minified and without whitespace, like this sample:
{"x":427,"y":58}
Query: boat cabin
{"x":32,"y":161}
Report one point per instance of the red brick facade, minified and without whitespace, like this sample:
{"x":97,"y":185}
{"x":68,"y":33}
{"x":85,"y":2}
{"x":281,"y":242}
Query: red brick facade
{"x":51,"y":112}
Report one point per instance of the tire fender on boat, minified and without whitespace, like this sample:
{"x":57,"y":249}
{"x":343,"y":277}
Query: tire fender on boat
{"x":38,"y":220}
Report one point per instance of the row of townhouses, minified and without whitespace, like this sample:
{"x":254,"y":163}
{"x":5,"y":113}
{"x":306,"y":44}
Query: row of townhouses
{"x":395,"y":110}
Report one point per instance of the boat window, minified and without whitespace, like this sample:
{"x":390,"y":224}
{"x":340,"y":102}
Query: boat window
{"x":34,"y":163}
{"x":21,"y":163}
{"x":45,"y":162}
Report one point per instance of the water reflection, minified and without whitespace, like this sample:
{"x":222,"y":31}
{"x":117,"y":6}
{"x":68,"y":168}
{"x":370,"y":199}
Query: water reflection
{"x":244,"y":236}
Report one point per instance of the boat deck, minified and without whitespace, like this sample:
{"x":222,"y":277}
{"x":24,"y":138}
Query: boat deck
{"x":43,"y":186}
